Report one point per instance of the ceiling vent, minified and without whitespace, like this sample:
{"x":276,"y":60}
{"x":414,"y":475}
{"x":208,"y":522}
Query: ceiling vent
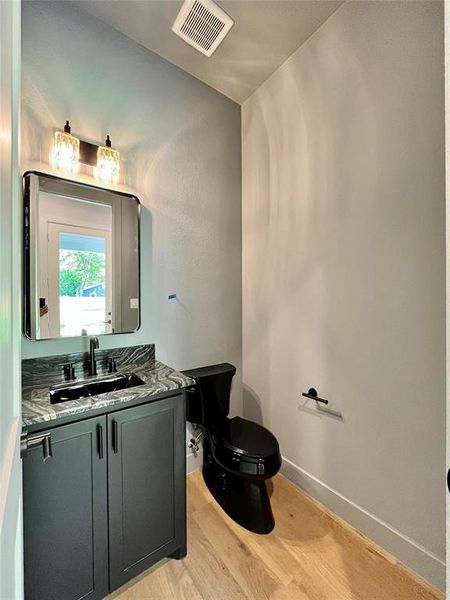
{"x":202,"y":24}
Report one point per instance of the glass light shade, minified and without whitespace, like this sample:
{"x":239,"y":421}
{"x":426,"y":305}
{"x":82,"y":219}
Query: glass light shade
{"x":108,"y":164}
{"x":66,"y":151}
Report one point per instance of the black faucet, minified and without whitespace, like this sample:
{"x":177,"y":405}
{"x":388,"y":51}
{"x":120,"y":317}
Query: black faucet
{"x":93,"y":344}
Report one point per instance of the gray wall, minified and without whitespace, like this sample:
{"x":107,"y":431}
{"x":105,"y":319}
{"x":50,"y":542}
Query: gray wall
{"x":344,"y":270}
{"x":180,"y":147}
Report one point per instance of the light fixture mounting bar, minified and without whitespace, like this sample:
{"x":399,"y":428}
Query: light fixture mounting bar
{"x":88,"y":153}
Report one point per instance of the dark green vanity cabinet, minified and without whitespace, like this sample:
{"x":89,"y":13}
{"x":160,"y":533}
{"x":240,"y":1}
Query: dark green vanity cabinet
{"x":109,"y":503}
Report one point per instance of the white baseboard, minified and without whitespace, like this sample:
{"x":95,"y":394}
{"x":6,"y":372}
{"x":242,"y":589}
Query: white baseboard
{"x":194,"y":462}
{"x":417,"y":558}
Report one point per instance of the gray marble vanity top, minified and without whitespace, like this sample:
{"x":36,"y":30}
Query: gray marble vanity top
{"x":40,"y":374}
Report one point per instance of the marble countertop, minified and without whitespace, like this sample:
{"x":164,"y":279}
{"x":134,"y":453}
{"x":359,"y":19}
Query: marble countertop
{"x":157,"y":377}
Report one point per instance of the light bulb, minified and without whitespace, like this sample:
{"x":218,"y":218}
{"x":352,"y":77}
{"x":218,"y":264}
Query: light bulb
{"x":108,"y":164}
{"x":66,"y":152}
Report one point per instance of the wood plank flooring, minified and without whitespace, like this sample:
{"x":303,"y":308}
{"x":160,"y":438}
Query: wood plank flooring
{"x":310,"y":555}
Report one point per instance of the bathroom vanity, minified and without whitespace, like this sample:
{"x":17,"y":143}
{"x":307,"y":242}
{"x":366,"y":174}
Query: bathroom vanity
{"x":104,"y":476}
{"x":103,"y":443}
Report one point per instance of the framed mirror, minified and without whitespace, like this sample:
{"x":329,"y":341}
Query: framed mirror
{"x":81,"y":259}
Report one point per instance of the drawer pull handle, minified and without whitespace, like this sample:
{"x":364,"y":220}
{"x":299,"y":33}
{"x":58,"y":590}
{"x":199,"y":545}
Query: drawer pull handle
{"x":47,"y":447}
{"x":29,"y":441}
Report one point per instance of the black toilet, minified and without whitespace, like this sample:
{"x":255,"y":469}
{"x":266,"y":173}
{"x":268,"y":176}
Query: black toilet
{"x":239,"y":455}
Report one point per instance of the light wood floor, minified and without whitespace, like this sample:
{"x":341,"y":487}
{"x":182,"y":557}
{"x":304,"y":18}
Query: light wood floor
{"x":310,"y":555}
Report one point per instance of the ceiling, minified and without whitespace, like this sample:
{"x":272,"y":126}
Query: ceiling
{"x":265,"y":33}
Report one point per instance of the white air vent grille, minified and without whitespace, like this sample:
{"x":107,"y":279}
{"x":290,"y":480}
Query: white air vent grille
{"x":202,"y":24}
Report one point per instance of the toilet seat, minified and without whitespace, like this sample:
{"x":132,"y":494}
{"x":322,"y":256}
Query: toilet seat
{"x":246,"y":448}
{"x":248,"y":438}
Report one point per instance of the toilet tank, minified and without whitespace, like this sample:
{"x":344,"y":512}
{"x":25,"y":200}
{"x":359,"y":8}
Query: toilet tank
{"x":208,"y":403}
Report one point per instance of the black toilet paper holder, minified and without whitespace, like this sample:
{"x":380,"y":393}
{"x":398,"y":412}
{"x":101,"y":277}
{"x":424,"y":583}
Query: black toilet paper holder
{"x":312,"y":393}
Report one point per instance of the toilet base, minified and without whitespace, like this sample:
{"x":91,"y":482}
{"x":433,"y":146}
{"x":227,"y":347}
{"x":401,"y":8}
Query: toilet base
{"x":246,"y":501}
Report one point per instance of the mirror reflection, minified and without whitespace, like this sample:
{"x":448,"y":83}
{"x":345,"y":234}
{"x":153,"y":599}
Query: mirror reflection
{"x":81,"y":259}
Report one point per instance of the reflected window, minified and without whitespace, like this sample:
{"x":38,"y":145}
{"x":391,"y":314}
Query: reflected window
{"x":82,"y":284}
{"x":76,"y":275}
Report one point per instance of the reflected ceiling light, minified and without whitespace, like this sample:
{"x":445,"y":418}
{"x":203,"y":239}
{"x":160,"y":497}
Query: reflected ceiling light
{"x":66,"y":152}
{"x":108,"y":164}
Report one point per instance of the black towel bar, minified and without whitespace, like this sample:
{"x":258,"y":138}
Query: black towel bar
{"x":312,"y":393}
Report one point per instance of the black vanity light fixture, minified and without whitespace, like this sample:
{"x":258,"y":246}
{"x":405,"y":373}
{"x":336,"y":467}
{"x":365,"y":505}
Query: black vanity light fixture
{"x":69,"y":151}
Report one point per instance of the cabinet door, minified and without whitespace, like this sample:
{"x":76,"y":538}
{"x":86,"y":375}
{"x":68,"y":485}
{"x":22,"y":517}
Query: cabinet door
{"x":65,"y":523}
{"x":147,"y":486}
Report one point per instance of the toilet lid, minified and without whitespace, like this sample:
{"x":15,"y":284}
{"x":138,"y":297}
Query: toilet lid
{"x":248,"y":438}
